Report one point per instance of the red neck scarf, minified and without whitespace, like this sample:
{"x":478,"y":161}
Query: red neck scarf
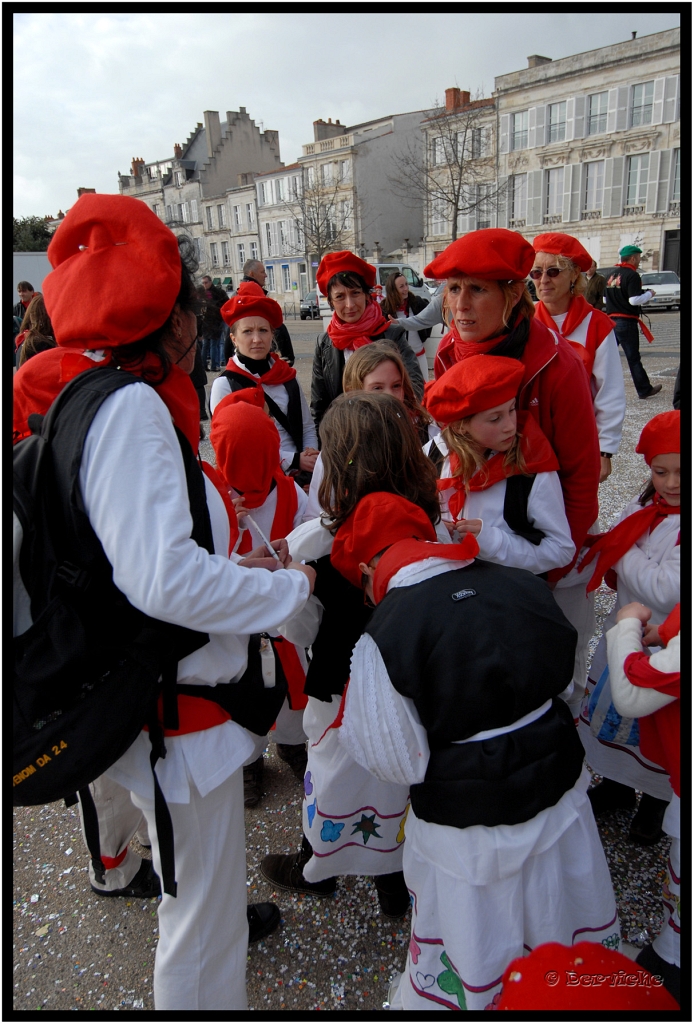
{"x":279,"y":373}
{"x":285,"y":512}
{"x":361,"y":333}
{"x":599,"y":327}
{"x":537,"y":452}
{"x":614,"y":544}
{"x":452,"y":349}
{"x":405,"y":552}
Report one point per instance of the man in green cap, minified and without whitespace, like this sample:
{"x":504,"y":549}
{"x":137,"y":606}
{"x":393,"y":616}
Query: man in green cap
{"x":623,"y":297}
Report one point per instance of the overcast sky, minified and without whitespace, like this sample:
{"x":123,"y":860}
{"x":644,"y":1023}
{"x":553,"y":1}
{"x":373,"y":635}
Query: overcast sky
{"x":92,"y":91}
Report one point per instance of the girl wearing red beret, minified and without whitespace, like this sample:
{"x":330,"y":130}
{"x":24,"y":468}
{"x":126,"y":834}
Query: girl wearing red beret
{"x":498,"y":481}
{"x":168,"y":548}
{"x":252,"y":317}
{"x":642,"y":551}
{"x":357,"y":320}
{"x":352,"y":823}
{"x":559,"y":260}
{"x":492,"y":314}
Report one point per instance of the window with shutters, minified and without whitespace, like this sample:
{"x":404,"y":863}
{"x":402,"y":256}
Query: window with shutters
{"x":261,"y":194}
{"x":238,"y":223}
{"x":282,"y":228}
{"x":286,"y":279}
{"x":214,"y":254}
{"x":676,"y":177}
{"x":241,"y":255}
{"x":438,"y":217}
{"x":226,"y":255}
{"x":518,"y":192}
{"x":250,"y":216}
{"x":201,"y":249}
{"x":268,"y":239}
{"x":637,"y":182}
{"x":344,"y":211}
{"x":641,"y":104}
{"x":438,"y":157}
{"x":270,"y":278}
{"x":194,"y":209}
{"x":557,"y":122}
{"x":155,"y":209}
{"x":221,"y":215}
{"x":208,"y":216}
{"x":326,"y":174}
{"x":479,"y":143}
{"x":169,"y":212}
{"x":519,"y":130}
{"x":179,"y":178}
{"x":254,"y":251}
{"x":185,"y":214}
{"x":279,"y":189}
{"x":343,"y":166}
{"x":593,"y":196}
{"x":484,"y":205}
{"x":597,"y":113}
{"x":554,"y":190}
{"x":311,"y":175}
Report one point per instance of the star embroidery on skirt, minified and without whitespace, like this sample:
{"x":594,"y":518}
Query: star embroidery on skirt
{"x":367,"y":826}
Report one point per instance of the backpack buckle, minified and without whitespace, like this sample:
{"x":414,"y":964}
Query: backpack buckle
{"x":72,"y":575}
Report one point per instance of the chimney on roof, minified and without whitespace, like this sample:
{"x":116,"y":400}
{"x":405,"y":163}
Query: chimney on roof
{"x":177,"y":150}
{"x":455,"y":98}
{"x":137,"y":166}
{"x":213,"y":130}
{"x":633,"y":35}
{"x":81,"y":191}
{"x":536,"y":60}
{"x":327,"y":129}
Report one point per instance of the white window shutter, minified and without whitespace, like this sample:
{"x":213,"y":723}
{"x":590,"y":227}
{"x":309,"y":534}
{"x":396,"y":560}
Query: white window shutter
{"x":612,"y":110}
{"x":534,"y":197}
{"x":667,"y":164}
{"x":614,"y":194}
{"x":503,"y":202}
{"x":607,"y":184}
{"x":579,"y":117}
{"x":670,"y":105}
{"x":504,"y":133}
{"x":653,"y":173}
{"x":531,"y":127}
{"x":569,"y":120}
{"x":622,"y":105}
{"x":658,"y":98}
{"x":540,"y":126}
{"x":572,"y":182}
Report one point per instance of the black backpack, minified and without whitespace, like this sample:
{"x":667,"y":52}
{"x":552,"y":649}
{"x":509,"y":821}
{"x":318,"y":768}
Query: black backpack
{"x":90,"y":668}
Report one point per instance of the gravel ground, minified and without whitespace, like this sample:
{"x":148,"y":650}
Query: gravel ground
{"x":73,"y":950}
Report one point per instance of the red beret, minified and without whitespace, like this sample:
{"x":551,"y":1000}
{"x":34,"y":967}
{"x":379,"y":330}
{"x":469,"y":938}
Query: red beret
{"x":117,"y":273}
{"x":558,"y":244}
{"x":252,"y":303}
{"x":586,"y":976}
{"x":379,"y":520}
{"x":472,"y":385}
{"x":494,"y":254}
{"x":660,"y":436}
{"x":251,"y":396}
{"x":247,"y":448}
{"x":345,"y":262}
{"x":250,"y":288}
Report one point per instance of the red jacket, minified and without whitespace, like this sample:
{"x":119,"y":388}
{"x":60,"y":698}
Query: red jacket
{"x":556,"y":392}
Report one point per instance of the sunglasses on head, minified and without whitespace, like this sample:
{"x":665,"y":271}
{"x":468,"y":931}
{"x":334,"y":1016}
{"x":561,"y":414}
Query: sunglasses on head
{"x":550,"y":272}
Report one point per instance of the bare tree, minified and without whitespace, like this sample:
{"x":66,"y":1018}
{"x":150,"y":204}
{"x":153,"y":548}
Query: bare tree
{"x":454,"y":173}
{"x":322,"y":214}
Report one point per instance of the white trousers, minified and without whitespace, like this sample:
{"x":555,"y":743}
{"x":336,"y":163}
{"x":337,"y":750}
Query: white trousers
{"x":119,"y":820}
{"x":203,"y":932}
{"x":579,"y":608}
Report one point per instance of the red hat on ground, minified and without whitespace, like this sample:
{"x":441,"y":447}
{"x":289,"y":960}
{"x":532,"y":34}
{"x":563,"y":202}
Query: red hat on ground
{"x":344,"y":262}
{"x":117,"y":273}
{"x":558,"y":244}
{"x":252,"y":302}
{"x":471,"y":386}
{"x":660,"y":436}
{"x":494,"y":254}
{"x":251,"y":396}
{"x":586,"y":976}
{"x":379,"y":520}
{"x":247,"y":447}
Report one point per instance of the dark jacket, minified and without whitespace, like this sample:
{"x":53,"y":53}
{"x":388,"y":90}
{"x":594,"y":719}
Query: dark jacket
{"x":415,"y":304}
{"x":212,"y":322}
{"x":329,"y":363}
{"x":623,"y":283}
{"x":595,"y":290}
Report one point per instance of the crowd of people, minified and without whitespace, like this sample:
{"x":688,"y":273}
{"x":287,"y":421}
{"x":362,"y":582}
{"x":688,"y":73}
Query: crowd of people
{"x":420,"y":558}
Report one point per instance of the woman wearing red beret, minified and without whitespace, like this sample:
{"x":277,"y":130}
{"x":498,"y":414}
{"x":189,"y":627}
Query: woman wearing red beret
{"x":559,"y":260}
{"x":357,"y":320}
{"x":165,"y":530}
{"x":252,"y":317}
{"x":492,"y":314}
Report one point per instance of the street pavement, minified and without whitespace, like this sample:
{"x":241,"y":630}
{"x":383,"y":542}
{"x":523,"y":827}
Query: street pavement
{"x":74,"y":950}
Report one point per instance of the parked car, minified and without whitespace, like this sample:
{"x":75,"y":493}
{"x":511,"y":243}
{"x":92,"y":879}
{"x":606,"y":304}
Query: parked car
{"x":308,"y":307}
{"x":666,"y":285}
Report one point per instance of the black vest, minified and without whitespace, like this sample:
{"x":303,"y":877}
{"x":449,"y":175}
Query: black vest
{"x":292,"y":421}
{"x":477,"y":649}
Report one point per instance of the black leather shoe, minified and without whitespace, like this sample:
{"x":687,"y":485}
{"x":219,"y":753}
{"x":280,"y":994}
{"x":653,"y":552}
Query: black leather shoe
{"x":294,"y":755}
{"x":263,"y":918}
{"x":646,"y":825}
{"x":609,"y":795}
{"x":670,"y":973}
{"x":253,"y":782}
{"x":393,"y":895}
{"x":285,"y":871}
{"x":655,"y":389}
{"x":144,"y":885}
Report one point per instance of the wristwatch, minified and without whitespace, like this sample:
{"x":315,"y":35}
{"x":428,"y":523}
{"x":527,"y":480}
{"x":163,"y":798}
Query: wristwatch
{"x":606,"y":455}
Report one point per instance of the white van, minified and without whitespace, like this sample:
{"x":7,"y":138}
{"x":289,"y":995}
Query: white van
{"x":383,"y":272}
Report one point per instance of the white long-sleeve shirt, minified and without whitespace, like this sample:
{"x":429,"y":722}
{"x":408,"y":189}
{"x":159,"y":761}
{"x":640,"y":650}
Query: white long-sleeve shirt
{"x":650,"y":570}
{"x":497,"y":541}
{"x":278,"y":393}
{"x":133,"y":484}
{"x":430,"y":316}
{"x":606,"y":384}
{"x":264,"y":516}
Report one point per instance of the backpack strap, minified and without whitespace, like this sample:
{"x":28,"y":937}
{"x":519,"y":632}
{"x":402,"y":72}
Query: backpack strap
{"x":292,"y":421}
{"x":436,"y":456}
{"x":90,"y":820}
{"x":518,"y":490}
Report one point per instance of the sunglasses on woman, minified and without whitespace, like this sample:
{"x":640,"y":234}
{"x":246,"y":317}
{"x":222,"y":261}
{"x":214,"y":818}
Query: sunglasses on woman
{"x":550,"y":272}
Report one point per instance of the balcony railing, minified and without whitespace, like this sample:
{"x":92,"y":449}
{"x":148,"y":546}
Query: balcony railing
{"x":634,"y":211}
{"x":551,"y":218}
{"x":674,"y":207}
{"x":591,"y":215}
{"x":326,"y":145}
{"x":517,"y":223}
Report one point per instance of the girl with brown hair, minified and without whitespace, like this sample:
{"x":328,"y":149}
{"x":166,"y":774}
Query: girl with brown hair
{"x":399,"y":303}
